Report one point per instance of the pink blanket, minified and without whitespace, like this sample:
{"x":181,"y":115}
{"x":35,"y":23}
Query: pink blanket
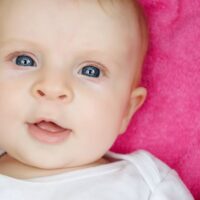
{"x":168,"y":125}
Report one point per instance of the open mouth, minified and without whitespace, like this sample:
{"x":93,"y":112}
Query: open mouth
{"x":48,"y":132}
{"x":49,"y":126}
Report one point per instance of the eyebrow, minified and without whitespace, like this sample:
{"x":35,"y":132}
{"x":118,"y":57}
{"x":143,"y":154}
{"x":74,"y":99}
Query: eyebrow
{"x":17,"y":42}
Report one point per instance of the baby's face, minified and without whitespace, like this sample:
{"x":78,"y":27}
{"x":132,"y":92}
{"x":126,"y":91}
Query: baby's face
{"x":70,"y":63}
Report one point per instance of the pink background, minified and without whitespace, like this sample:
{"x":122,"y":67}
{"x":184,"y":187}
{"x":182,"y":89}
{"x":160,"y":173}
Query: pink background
{"x":168,"y":125}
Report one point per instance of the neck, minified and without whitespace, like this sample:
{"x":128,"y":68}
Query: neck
{"x":13,"y":168}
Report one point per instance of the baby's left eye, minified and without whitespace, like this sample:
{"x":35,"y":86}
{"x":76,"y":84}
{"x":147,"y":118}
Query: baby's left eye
{"x":90,"y":71}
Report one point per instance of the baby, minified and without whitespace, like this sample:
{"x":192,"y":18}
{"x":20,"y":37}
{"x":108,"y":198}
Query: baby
{"x":70,"y":83}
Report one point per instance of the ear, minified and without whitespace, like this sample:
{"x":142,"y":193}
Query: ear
{"x":137,"y":98}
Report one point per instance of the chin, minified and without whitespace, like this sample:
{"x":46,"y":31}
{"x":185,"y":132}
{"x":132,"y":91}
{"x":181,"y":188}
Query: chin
{"x":43,"y":163}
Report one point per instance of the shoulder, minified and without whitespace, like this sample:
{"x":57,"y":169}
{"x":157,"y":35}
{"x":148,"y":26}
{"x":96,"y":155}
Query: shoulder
{"x":152,"y":170}
{"x":164,"y":182}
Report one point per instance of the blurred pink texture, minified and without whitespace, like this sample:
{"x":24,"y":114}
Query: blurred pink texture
{"x":168,"y":125}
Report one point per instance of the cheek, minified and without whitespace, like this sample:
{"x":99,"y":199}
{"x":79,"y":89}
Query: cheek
{"x":14,"y":103}
{"x":11,"y":99}
{"x":15,"y":91}
{"x":102,"y":114}
{"x":97,"y":126}
{"x":10,"y":108}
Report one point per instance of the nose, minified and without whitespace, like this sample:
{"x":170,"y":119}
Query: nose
{"x":52,"y":90}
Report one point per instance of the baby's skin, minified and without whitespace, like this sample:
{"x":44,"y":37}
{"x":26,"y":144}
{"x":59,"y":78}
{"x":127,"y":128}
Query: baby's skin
{"x":69,"y":82}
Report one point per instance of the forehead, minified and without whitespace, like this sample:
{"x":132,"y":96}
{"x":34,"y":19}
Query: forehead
{"x":61,"y":23}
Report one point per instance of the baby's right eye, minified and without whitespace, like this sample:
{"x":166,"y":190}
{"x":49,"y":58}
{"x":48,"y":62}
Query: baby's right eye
{"x":25,"y":61}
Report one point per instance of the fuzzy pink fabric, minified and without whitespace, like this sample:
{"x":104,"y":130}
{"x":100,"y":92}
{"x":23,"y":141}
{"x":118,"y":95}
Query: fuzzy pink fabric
{"x":168,"y":125}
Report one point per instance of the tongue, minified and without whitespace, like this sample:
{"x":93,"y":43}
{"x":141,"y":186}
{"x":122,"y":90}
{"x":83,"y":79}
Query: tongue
{"x":50,"y":126}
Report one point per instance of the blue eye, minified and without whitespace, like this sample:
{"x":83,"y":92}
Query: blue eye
{"x":24,"y":61}
{"x":90,"y":71}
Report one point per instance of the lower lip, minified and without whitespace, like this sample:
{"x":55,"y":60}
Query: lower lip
{"x":46,"y":136}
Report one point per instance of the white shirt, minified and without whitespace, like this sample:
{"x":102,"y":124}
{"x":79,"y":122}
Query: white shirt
{"x":136,"y":176}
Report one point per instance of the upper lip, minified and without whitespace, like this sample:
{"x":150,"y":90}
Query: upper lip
{"x":38,"y":120}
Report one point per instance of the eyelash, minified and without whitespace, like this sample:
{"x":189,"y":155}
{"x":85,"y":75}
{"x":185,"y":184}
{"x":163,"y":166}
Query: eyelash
{"x":13,"y":58}
{"x":89,"y":69}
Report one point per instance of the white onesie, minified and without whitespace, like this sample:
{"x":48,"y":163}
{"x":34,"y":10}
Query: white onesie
{"x":136,"y":176}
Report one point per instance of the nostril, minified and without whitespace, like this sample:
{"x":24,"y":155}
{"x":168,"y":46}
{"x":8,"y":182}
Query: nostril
{"x":40,"y":93}
{"x":50,"y":95}
{"x":62,"y":97}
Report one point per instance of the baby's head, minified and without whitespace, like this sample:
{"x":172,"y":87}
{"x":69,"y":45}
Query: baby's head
{"x":74,"y":64}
